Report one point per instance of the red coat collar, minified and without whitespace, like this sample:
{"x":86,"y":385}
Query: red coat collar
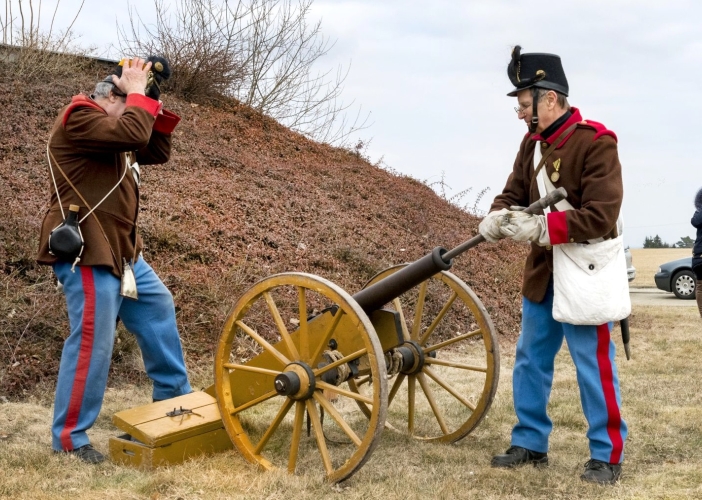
{"x":575,"y":117}
{"x":79,"y":101}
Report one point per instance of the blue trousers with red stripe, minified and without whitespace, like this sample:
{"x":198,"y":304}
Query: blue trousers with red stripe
{"x":94,"y":303}
{"x":592,"y":351}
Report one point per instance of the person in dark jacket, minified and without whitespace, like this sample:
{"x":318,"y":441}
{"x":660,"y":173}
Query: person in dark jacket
{"x":697,"y":249}
{"x":94,"y":152}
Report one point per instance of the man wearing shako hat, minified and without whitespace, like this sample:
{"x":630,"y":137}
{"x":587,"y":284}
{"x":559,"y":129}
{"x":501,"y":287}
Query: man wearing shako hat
{"x":560,"y":149}
{"x":95,"y":150}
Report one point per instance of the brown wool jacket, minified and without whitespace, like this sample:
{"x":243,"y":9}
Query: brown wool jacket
{"x":589,"y":171}
{"x":91,"y":149}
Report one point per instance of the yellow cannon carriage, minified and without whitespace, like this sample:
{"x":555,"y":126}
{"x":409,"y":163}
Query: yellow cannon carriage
{"x":307,"y":375}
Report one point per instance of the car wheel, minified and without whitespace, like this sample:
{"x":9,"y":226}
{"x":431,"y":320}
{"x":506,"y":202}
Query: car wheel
{"x":684,"y":285}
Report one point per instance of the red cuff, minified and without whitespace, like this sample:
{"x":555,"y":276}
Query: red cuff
{"x":141,"y":101}
{"x":557,"y":227}
{"x":166,"y":122}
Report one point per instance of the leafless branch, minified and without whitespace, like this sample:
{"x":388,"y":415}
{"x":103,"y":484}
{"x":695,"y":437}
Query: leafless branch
{"x":262,"y":52}
{"x":39,"y":50}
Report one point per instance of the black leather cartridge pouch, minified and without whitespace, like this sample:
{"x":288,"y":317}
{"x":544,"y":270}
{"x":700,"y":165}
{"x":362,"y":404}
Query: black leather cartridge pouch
{"x":66,"y":240}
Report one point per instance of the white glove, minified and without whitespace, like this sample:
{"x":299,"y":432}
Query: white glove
{"x":490,"y":226}
{"x":526,"y":227}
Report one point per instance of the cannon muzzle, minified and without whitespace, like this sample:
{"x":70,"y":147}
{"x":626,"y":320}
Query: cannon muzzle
{"x":376,"y":296}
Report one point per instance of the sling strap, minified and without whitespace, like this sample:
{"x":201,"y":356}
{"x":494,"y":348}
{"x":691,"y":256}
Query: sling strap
{"x":50,"y":156}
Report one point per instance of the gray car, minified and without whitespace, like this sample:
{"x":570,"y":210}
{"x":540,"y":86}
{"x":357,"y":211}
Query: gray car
{"x":630,"y":269}
{"x":677,"y":277}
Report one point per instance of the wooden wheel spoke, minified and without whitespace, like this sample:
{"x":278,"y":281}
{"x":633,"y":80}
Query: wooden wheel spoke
{"x":264,"y":343}
{"x":363,"y":380}
{"x":254,"y":402}
{"x":319,"y":435}
{"x":438,"y":318}
{"x":260,"y":323}
{"x":339,"y":362}
{"x":274,"y":425}
{"x":344,"y":392}
{"x":411,"y":390}
{"x":425,"y":313}
{"x":396,"y":386}
{"x":327,"y":335}
{"x":254,"y":369}
{"x":448,"y":388}
{"x":419,"y":310}
{"x":449,"y":342}
{"x":324,"y":402}
{"x":304,"y":331}
{"x":403,"y":321}
{"x":451,"y":364}
{"x":297,"y":432}
{"x":285,"y":335}
{"x":432,"y":402}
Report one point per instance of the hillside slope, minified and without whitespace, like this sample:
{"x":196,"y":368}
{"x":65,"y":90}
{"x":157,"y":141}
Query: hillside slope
{"x":241,"y":198}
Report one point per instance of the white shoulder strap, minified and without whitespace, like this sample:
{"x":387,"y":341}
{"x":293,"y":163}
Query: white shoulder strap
{"x":546,"y":186}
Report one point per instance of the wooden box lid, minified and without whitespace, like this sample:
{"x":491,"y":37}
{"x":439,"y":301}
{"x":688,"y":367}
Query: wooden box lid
{"x":151,"y":425}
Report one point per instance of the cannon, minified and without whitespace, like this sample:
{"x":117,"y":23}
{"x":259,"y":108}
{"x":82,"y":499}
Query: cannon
{"x":307,"y":375}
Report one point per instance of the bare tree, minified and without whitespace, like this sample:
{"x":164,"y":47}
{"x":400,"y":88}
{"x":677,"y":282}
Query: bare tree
{"x":200,"y":39}
{"x":262,"y":52}
{"x":34,"y":49}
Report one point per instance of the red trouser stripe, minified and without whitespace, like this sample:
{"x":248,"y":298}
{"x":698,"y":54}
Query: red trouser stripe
{"x":614,"y":419}
{"x":84,"y":355}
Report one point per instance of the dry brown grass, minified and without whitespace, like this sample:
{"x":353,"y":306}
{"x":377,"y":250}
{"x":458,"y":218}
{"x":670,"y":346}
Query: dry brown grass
{"x":662,"y":405}
{"x":647,"y":260}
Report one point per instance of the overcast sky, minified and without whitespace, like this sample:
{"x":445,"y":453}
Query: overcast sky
{"x":433,"y":74}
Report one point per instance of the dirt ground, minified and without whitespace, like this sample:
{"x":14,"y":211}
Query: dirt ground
{"x":656,"y":297}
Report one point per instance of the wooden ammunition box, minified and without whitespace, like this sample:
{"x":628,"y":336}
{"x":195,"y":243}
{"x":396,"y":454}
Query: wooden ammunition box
{"x":169,"y":432}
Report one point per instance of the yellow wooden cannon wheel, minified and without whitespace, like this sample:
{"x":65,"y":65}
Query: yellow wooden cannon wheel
{"x":449,"y":390}
{"x":272,"y":377}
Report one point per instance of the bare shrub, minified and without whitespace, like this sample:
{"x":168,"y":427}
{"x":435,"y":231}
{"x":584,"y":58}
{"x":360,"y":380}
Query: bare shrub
{"x":458,"y":199}
{"x":33,"y":50}
{"x":197,"y":40}
{"x":261,"y":52}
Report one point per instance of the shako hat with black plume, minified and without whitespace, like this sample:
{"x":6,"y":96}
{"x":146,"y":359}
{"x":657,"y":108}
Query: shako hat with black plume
{"x":543,"y":71}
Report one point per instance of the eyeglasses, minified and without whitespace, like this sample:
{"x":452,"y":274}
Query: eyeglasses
{"x":522,"y":109}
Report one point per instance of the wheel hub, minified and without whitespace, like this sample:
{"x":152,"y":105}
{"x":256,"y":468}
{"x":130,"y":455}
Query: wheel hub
{"x":412,"y":357}
{"x":296,"y":382}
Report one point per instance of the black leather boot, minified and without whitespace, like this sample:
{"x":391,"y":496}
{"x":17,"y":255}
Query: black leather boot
{"x":597,"y":471}
{"x":86,"y":453}
{"x":516,"y":456}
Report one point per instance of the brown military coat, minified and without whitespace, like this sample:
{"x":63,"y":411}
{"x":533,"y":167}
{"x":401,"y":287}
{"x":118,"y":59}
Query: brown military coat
{"x":91,"y":148}
{"x":590,"y":172}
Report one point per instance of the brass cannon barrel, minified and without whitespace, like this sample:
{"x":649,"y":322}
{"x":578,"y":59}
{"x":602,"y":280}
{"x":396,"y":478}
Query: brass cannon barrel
{"x":376,"y":296}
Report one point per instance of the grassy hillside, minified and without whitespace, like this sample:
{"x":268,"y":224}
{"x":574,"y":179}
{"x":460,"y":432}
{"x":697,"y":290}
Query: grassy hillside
{"x":242,"y":198}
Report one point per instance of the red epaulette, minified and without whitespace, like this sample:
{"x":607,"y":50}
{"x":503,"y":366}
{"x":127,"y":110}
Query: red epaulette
{"x":79,"y":101}
{"x":599,"y":129}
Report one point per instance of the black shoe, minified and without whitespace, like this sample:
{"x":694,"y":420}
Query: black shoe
{"x":516,"y":456}
{"x":86,"y":453}
{"x":597,"y":471}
